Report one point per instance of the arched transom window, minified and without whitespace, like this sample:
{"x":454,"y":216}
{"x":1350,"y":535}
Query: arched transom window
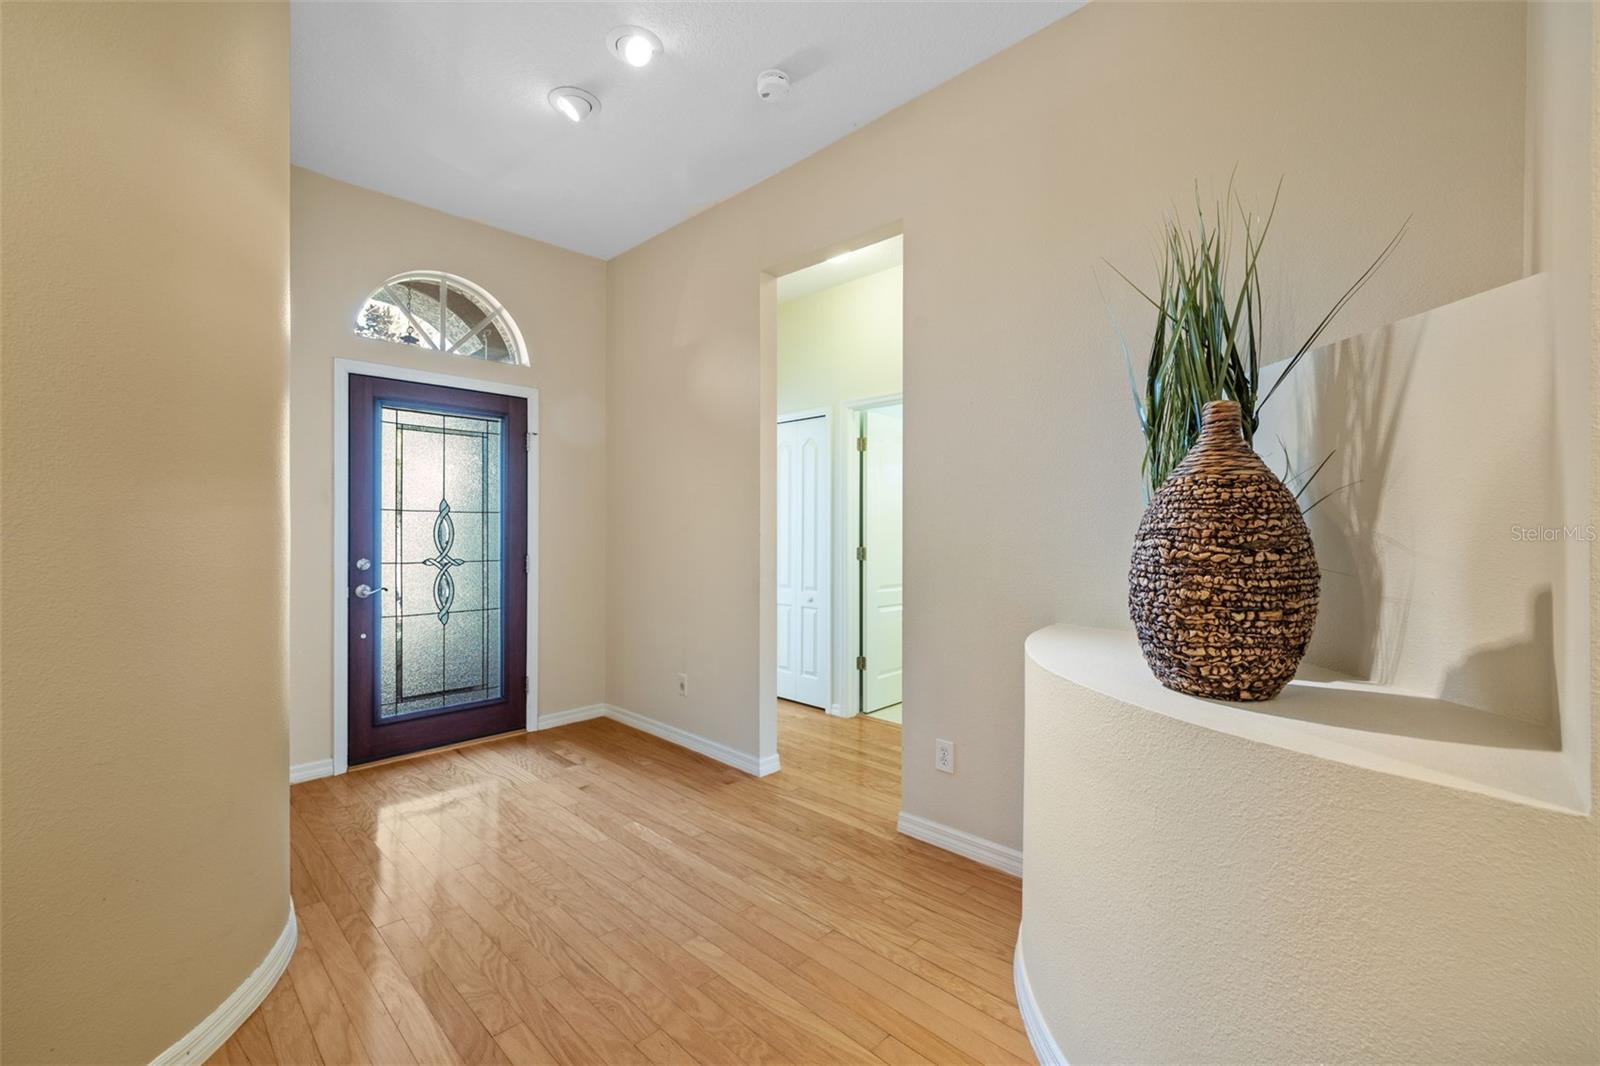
{"x":444,"y":313}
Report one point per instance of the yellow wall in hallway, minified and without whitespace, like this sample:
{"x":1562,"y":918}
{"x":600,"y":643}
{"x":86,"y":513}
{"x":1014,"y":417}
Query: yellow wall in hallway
{"x":841,"y":344}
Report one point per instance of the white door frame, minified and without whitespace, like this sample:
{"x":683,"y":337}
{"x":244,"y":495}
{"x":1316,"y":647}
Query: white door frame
{"x":847,"y":510}
{"x":826,"y":414}
{"x":342,"y":369}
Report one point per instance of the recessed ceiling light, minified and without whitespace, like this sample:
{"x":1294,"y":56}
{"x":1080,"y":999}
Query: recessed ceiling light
{"x":634,"y":46}
{"x":576,"y":104}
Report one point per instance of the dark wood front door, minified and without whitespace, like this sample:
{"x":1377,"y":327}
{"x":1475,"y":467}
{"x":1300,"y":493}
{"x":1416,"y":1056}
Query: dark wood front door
{"x":438,"y":566}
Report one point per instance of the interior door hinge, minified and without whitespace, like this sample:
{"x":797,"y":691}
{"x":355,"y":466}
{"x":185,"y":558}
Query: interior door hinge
{"x":861,"y":444}
{"x":525,"y":562}
{"x":524,"y":684}
{"x":861,"y":553}
{"x":861,"y":662}
{"x":527,"y":442}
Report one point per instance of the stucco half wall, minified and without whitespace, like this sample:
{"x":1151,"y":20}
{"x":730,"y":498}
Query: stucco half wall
{"x":1191,"y":895}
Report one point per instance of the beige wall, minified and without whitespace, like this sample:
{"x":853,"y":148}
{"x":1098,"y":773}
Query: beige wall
{"x":347,"y":241}
{"x":1010,"y":183}
{"x":145,"y":302}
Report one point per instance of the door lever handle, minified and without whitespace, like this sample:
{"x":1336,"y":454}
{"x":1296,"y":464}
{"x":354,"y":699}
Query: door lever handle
{"x":363,"y":591}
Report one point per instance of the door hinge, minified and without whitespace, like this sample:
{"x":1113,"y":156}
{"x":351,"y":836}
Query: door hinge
{"x":527,"y":442}
{"x":524,"y":684}
{"x":861,"y":553}
{"x":525,"y":562}
{"x":861,"y":444}
{"x":861,"y":662}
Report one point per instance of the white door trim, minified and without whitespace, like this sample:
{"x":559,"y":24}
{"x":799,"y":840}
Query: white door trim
{"x":846,"y":511}
{"x":342,"y":369}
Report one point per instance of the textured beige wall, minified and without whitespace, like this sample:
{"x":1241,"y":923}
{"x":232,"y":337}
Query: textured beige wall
{"x":346,"y":242}
{"x":1010,"y":183}
{"x":1191,"y":896}
{"x":145,"y":302}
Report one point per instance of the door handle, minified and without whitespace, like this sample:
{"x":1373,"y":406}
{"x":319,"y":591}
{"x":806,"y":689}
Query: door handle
{"x":363,"y":591}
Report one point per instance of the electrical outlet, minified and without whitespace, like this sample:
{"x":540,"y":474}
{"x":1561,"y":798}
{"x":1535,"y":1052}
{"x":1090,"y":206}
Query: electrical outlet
{"x":944,"y":756}
{"x":683,"y":685}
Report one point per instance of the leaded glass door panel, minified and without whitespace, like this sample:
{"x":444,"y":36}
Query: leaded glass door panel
{"x":438,"y":566}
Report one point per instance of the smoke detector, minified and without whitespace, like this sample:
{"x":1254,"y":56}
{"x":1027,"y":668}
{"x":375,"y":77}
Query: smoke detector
{"x":772,"y":85}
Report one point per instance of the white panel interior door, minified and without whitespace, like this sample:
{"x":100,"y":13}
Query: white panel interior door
{"x":805,"y":561}
{"x":884,"y":428}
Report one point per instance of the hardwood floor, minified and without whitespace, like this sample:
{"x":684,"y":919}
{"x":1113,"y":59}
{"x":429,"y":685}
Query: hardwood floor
{"x":594,"y":895}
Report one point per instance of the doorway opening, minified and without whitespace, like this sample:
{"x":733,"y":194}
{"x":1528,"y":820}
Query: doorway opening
{"x":837,"y":480}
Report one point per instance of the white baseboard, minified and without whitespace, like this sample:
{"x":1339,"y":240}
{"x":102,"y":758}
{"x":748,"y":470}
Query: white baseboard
{"x":310,"y":771}
{"x":976,"y":848}
{"x":1045,"y":1048}
{"x":198,"y":1043}
{"x":837,"y":711}
{"x":711,"y":749}
{"x":571,"y":715}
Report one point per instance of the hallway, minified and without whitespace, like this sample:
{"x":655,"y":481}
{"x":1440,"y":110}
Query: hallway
{"x":594,"y":895}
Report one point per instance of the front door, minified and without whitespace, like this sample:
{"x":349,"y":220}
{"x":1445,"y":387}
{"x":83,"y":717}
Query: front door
{"x":438,"y":566}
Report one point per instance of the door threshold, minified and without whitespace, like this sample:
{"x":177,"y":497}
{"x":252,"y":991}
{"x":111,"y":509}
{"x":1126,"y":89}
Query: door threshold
{"x":391,"y":760}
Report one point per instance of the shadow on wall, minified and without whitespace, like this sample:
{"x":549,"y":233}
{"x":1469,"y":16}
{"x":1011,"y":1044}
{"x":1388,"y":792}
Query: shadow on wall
{"x":1525,"y":667}
{"x":1352,"y":408}
{"x":1374,"y":709}
{"x":1443,"y":457}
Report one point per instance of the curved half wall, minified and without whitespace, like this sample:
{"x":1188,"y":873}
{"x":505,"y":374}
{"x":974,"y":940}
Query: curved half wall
{"x":1196,"y":891}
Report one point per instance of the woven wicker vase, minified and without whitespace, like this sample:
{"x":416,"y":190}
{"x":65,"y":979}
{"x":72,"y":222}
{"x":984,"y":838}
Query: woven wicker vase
{"x":1223,"y":587}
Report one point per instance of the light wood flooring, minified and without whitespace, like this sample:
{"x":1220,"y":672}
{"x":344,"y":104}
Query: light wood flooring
{"x":594,"y":895}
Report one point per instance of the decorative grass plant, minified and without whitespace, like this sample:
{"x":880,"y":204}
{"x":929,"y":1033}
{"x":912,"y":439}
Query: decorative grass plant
{"x":1207,"y":343}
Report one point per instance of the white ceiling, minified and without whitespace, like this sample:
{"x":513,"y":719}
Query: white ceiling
{"x":840,"y":269}
{"x":444,"y":103}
